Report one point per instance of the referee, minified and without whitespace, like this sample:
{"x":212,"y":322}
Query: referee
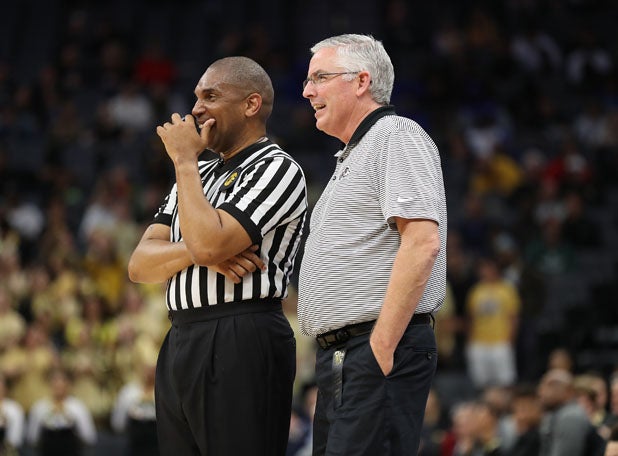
{"x":225,"y":239}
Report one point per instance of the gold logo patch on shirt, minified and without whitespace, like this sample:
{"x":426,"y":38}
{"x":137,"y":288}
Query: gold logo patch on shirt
{"x":230,"y":179}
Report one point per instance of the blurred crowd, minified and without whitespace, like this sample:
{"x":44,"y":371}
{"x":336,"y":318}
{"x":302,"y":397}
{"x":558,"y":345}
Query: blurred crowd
{"x":521,"y":97}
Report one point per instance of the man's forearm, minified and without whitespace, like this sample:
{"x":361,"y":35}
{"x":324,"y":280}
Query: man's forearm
{"x":409,"y":276}
{"x":420,"y":244}
{"x":206,"y":231}
{"x":156,"y":260}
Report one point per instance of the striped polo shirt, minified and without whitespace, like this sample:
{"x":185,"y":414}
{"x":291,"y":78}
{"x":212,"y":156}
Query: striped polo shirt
{"x":264,"y":189}
{"x":390,"y":168}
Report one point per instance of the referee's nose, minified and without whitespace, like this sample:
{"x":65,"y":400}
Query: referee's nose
{"x":198,"y":109}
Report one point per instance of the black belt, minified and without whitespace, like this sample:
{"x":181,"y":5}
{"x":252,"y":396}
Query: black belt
{"x":342,"y":335}
{"x":213,"y":312}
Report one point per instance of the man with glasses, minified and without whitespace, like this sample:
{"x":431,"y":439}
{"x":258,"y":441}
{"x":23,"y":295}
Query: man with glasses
{"x":374,"y":264}
{"x":225,"y":239}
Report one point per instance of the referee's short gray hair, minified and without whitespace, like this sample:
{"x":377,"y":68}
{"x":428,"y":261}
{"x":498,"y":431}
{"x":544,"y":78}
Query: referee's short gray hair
{"x":364,"y":53}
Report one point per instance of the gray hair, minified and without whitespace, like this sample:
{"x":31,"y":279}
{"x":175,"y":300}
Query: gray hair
{"x":364,"y":53}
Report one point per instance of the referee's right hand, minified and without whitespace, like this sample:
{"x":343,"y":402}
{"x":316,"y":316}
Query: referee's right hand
{"x":240,"y":265}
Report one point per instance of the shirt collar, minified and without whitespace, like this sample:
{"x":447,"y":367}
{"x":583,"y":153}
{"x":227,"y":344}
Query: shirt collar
{"x":241,"y":155}
{"x":368,"y":122}
{"x":363,"y":128}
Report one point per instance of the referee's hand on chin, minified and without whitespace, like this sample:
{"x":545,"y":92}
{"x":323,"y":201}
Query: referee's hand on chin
{"x":181,"y":139}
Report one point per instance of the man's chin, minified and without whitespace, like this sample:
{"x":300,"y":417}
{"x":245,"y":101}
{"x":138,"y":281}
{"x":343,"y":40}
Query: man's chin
{"x":320,"y":125}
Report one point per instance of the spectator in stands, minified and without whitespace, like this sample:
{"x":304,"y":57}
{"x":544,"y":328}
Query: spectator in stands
{"x":492,"y":306}
{"x":527,"y":414}
{"x":153,"y":67}
{"x":29,"y":364}
{"x":474,"y":225}
{"x":11,"y":422}
{"x":560,"y":358}
{"x":134,"y":333}
{"x":591,"y":392}
{"x":87,"y":355}
{"x":612,"y":443}
{"x":60,"y":423}
{"x":499,"y":398}
{"x":134,"y":412}
{"x":12,"y":324}
{"x":565,"y":426}
{"x":577,"y":227}
{"x":105,"y":267}
{"x":612,"y":420}
{"x":448,"y":325}
{"x":498,"y":174}
{"x":460,"y":440}
{"x":131,"y":109}
{"x":589,"y":61}
{"x":549,"y":254}
{"x":535,"y":50}
{"x":486,"y":430}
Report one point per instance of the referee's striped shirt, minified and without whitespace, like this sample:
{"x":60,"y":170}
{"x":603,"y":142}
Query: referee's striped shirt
{"x":264,"y":189}
{"x":390,"y":168}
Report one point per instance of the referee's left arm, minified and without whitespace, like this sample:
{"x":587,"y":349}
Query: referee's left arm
{"x":156,"y":259}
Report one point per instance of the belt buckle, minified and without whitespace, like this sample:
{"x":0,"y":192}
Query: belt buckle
{"x":342,"y":335}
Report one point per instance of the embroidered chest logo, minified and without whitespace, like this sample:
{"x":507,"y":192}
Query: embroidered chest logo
{"x":344,"y":173}
{"x":230,"y":180}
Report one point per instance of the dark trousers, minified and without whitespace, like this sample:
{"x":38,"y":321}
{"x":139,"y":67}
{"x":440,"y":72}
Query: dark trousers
{"x":224,"y":385}
{"x":368,"y":414}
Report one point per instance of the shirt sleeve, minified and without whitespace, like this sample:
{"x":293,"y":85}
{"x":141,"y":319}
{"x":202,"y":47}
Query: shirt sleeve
{"x":127,"y":396}
{"x":570,"y":435}
{"x":83,"y":421}
{"x":15,"y":423}
{"x":412,"y":187}
{"x":35,"y":417}
{"x":271,"y":193}
{"x":166,"y":209}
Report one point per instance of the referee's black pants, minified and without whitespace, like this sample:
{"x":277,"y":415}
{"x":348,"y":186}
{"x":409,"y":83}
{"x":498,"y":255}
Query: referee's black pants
{"x":361,"y":412}
{"x":224,"y":384}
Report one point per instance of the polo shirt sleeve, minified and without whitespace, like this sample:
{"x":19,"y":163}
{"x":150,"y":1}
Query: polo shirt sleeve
{"x":412,"y":186}
{"x":271,"y":193}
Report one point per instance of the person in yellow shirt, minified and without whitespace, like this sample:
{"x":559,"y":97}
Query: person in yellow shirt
{"x":492,"y":308}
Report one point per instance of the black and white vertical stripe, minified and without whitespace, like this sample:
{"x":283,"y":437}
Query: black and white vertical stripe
{"x":268,"y":197}
{"x":393,"y":171}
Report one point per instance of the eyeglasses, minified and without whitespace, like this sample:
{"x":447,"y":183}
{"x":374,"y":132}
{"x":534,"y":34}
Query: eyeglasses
{"x":321,"y":78}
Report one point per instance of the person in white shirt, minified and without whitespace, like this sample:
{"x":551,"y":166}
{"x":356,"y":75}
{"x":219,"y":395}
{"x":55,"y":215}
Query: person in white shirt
{"x":134,"y":413}
{"x":61,"y":422}
{"x":11,"y":420}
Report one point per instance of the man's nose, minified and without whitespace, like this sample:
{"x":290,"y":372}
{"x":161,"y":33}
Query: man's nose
{"x":309,"y":90}
{"x":198,"y":108}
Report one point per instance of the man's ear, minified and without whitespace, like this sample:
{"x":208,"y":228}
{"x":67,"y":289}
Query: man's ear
{"x":253,"y":104}
{"x":364,"y":82}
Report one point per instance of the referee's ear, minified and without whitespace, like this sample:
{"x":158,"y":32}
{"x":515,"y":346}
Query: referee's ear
{"x":253,"y":104}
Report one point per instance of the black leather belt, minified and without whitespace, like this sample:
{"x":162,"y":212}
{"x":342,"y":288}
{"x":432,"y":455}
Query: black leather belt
{"x":342,"y":335}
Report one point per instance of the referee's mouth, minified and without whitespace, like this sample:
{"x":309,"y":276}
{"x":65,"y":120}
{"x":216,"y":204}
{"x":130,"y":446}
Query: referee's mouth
{"x":201,"y":123}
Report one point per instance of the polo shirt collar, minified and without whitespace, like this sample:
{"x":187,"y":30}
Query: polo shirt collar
{"x":368,"y":122}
